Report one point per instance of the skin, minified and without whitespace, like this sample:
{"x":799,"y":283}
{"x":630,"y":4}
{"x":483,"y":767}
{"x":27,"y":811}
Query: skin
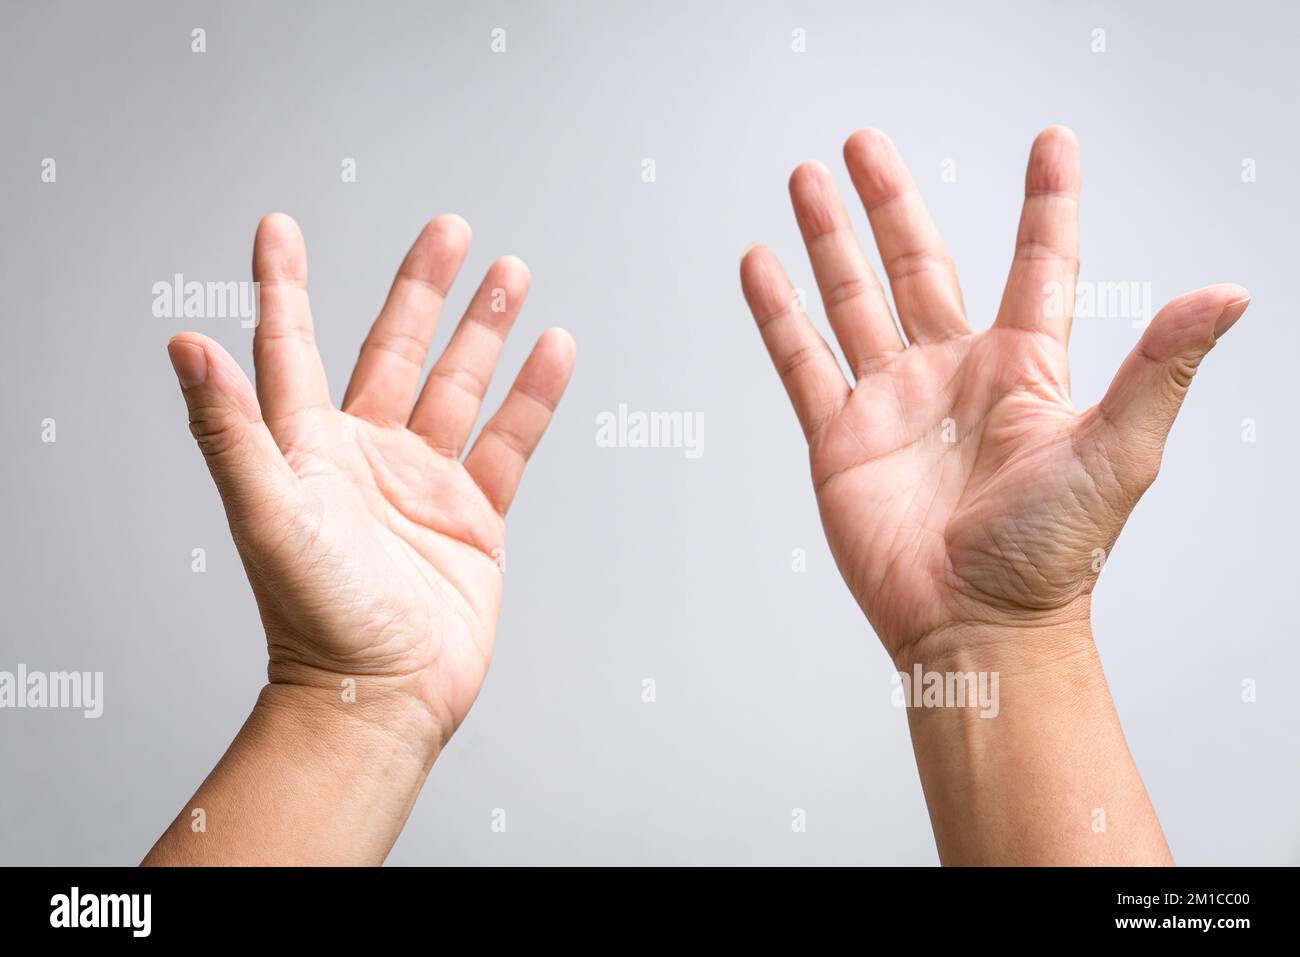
{"x":374,"y":549}
{"x":965,"y":500}
{"x":969,"y":505}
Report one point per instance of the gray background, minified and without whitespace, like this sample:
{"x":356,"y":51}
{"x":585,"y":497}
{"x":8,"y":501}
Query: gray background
{"x":625,"y":564}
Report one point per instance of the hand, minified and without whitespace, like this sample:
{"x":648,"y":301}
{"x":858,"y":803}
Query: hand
{"x":374,"y":551}
{"x":957,"y":485}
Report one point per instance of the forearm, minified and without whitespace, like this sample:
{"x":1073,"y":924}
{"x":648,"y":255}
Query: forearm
{"x":1046,"y":778}
{"x":309,"y":779}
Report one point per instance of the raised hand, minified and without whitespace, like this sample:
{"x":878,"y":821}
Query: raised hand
{"x":961,"y":493}
{"x":374,"y":550}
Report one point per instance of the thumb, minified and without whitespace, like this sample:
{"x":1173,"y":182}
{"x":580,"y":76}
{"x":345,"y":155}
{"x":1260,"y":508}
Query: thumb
{"x":1143,"y":400}
{"x":226,"y":421}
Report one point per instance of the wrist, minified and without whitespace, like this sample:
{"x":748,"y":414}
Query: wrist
{"x":363,"y":716}
{"x":1016,"y":668}
{"x":1059,"y":641}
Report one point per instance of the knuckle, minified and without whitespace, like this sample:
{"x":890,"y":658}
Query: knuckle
{"x":796,"y":360}
{"x":1179,"y":373}
{"x":217,"y":430}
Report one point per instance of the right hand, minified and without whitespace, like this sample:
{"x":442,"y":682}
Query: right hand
{"x":958,"y":487}
{"x":373,"y":549}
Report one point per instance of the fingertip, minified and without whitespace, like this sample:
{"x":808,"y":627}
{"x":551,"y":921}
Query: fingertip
{"x":809,"y":173}
{"x":866,"y":141}
{"x":220,"y":372}
{"x":548,"y":368}
{"x":279,"y":251}
{"x":1229,"y":291}
{"x":189,"y":360}
{"x":276,"y":223}
{"x":1238,"y":301}
{"x":750,"y":256}
{"x":212,"y":349}
{"x":752,"y":270}
{"x":1053,"y":162}
{"x":278,"y":231}
{"x":559,"y":342}
{"x":451,"y":228}
{"x":1191,"y":322}
{"x":876,"y":166}
{"x":1057,"y":132}
{"x":763,"y":281}
{"x":514,"y":271}
{"x":817,"y":205}
{"x":1201,"y":305}
{"x":751,"y":266}
{"x":193,"y":338}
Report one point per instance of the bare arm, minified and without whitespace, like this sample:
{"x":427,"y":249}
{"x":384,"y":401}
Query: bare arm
{"x":1043,"y":776}
{"x":309,"y":779}
{"x":373,"y":541}
{"x":969,"y":506}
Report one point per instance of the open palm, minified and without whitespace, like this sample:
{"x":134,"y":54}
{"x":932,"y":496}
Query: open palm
{"x":375,"y":553}
{"x":955,"y":480}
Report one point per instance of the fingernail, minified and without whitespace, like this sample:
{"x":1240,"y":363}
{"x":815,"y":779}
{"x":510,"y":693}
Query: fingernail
{"x":190,"y":363}
{"x":1231,"y":313}
{"x":749,"y":249}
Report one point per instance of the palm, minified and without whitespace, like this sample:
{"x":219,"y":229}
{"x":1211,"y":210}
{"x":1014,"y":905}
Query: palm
{"x":402,"y":569}
{"x":955,"y":480}
{"x":374,"y":550}
{"x":918,"y":493}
